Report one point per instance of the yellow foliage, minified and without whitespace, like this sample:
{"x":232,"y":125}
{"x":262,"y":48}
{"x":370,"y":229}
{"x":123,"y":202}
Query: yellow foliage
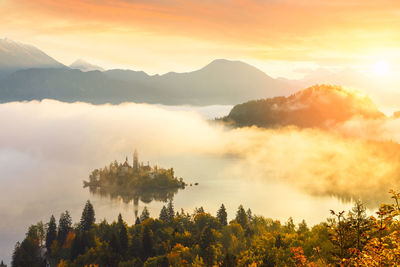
{"x":68,"y":241}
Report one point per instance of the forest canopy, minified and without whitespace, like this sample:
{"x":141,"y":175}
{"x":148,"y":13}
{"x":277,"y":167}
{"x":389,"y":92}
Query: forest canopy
{"x":178,"y":238}
{"x":317,"y":106}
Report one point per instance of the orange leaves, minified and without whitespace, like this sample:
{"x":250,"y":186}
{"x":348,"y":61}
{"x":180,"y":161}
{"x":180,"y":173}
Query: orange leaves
{"x":299,"y":257}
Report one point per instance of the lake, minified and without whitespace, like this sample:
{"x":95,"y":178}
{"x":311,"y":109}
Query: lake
{"x":48,"y":148}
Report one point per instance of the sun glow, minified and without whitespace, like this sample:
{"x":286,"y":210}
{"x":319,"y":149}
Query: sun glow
{"x":381,"y":68}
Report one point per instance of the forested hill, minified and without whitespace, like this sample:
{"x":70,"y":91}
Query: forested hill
{"x":316,"y":106}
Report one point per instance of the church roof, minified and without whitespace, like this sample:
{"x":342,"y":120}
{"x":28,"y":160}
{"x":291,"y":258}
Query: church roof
{"x":126,"y":164}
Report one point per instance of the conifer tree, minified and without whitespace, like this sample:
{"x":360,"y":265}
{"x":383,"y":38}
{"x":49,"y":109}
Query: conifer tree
{"x":145,"y":214}
{"x":241,"y":217}
{"x":222,"y":215}
{"x":123,"y":234}
{"x":164,"y":214}
{"x":88,"y":217}
{"x":170,"y":211}
{"x":64,"y":226}
{"x":249,"y":215}
{"x":51,"y":233}
{"x":147,"y":241}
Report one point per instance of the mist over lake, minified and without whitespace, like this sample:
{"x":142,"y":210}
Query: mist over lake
{"x":48,"y":148}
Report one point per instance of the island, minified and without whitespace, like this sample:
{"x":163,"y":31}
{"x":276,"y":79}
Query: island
{"x":134,"y":182}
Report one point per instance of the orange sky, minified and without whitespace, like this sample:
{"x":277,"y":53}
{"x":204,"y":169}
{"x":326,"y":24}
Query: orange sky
{"x":159,"y":36}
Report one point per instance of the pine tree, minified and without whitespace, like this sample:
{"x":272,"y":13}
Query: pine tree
{"x":145,"y":214}
{"x":51,"y":234}
{"x":27,"y":254}
{"x":241,"y":217}
{"x":222,"y":215}
{"x":2,"y":264}
{"x":170,"y":211}
{"x":16,"y":256}
{"x":147,"y":241}
{"x":64,"y":226}
{"x":164,"y":214}
{"x":206,"y":241}
{"x":137,"y":221}
{"x":88,"y":217}
{"x":249,"y":215}
{"x":123,"y":234}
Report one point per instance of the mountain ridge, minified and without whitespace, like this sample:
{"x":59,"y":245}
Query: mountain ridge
{"x":222,"y":82}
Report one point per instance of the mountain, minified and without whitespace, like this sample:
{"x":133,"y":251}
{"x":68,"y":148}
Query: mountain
{"x":220,"y":82}
{"x":82,"y":65}
{"x":127,"y":75}
{"x":316,"y":106}
{"x":17,"y":56}
{"x":69,"y":85}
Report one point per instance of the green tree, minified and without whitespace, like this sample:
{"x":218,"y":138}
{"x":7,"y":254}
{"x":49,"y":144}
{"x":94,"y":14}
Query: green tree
{"x":206,"y":242}
{"x":170,"y":211}
{"x":147,"y":241}
{"x":222,"y":215}
{"x":164,"y":214}
{"x":241,"y":217}
{"x":27,"y":254}
{"x":51,"y":234}
{"x":88,"y":217}
{"x":123,"y":235}
{"x":145,"y":214}
{"x":249,"y":215}
{"x":64,"y":226}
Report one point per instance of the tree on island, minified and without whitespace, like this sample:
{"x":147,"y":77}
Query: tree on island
{"x":139,"y":182}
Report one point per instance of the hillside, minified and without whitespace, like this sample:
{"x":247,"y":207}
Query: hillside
{"x":316,"y":106}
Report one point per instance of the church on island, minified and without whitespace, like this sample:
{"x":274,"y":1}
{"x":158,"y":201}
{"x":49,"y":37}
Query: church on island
{"x":136,"y":166}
